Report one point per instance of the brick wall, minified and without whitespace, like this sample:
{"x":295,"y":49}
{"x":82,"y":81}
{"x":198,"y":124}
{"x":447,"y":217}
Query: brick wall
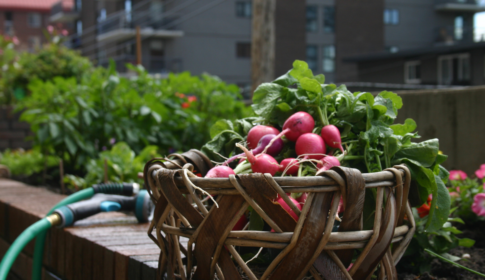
{"x":12,"y":131}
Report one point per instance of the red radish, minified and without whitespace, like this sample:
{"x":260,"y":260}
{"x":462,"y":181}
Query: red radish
{"x":302,"y":199}
{"x":256,"y":133}
{"x":219,"y":172}
{"x":262,"y":163}
{"x":293,"y":162}
{"x":274,"y":150}
{"x":287,"y":208}
{"x":310,"y":143}
{"x":327,"y":163}
{"x":296,"y":125}
{"x":240,"y":223}
{"x":331,"y":136}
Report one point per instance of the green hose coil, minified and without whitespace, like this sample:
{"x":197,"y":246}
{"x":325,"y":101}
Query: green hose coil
{"x":27,"y":235}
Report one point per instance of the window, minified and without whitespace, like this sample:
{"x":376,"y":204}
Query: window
{"x":454,"y":69}
{"x":244,"y":9}
{"x":312,"y":57}
{"x":78,"y":5}
{"x":243,"y":50}
{"x":329,"y":19}
{"x":8,"y":23}
{"x":458,"y":28}
{"x":34,"y":20}
{"x":79,"y":27}
{"x":391,"y":16}
{"x":311,"y":18}
{"x":328,"y":59}
{"x":102,"y":15}
{"x":128,"y":10}
{"x":412,"y":72}
{"x":392,"y":49}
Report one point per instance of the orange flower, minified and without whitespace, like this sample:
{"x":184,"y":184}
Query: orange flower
{"x":180,"y":95}
{"x":185,"y":105}
{"x":423,"y":211}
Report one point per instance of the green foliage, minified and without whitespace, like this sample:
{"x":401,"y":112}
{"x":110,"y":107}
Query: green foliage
{"x":367,"y":127}
{"x":122,"y":166}
{"x":78,"y":119}
{"x":26,"y":163}
{"x":52,"y":60}
{"x":440,"y":241}
{"x":462,"y":194}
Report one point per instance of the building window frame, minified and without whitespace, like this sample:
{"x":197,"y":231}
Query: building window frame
{"x":34,"y":20}
{"x":391,"y":16}
{"x":311,"y":22}
{"x":243,"y":50}
{"x":407,"y":67}
{"x":328,"y":59}
{"x":463,"y":75}
{"x":312,"y":57}
{"x":244,"y":9}
{"x":329,"y":19}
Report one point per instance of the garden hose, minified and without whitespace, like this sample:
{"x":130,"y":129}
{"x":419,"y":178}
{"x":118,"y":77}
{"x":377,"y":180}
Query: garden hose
{"x":27,"y":235}
{"x":108,"y":188}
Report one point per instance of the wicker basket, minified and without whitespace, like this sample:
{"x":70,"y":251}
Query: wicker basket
{"x":308,"y":247}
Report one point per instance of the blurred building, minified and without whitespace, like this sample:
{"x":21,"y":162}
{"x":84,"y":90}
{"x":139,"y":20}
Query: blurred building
{"x":410,"y":43}
{"x":211,"y":36}
{"x":25,"y":20}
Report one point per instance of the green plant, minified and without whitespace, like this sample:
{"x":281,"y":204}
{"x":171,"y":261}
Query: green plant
{"x":464,"y":191}
{"x":77,"y":120}
{"x":26,"y":163}
{"x":51,"y":60}
{"x":122,"y":166}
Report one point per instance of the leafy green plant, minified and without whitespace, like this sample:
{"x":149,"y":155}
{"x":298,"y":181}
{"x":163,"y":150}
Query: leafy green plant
{"x":367,"y":128}
{"x":122,"y":166}
{"x":440,"y":241}
{"x":463,"y":193}
{"x":26,"y":163}
{"x":78,"y":119}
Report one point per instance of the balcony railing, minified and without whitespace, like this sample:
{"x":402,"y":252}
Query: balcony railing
{"x":450,"y":35}
{"x":460,"y":5}
{"x":64,"y":11}
{"x":153,"y":64}
{"x":130,"y":21}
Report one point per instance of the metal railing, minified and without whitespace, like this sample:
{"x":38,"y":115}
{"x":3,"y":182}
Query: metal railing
{"x":470,"y":2}
{"x":454,"y":35}
{"x":153,"y":64}
{"x":68,"y":6}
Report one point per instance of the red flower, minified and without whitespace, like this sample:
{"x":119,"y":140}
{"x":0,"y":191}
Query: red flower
{"x":423,"y":211}
{"x":192,"y":98}
{"x":185,"y":105}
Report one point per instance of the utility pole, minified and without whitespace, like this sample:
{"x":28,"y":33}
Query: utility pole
{"x":138,"y":46}
{"x":263,"y":42}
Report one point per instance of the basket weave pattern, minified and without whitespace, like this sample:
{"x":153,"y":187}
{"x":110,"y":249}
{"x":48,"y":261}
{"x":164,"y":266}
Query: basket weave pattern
{"x":308,"y":246}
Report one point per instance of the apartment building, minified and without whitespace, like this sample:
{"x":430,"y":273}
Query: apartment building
{"x":25,"y":20}
{"x":410,"y":42}
{"x":211,"y":36}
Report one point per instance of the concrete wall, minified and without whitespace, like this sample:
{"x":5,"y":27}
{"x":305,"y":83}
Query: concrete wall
{"x":456,"y":117}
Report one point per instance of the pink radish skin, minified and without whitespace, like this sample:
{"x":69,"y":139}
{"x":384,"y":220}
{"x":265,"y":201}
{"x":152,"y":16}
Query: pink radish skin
{"x":262,"y":163}
{"x":327,"y":163}
{"x":240,"y":223}
{"x":219,"y":172}
{"x":256,"y":133}
{"x":293,"y":162}
{"x":297,"y":124}
{"x":287,"y":208}
{"x":274,"y":150}
{"x":310,"y":143}
{"x":331,"y":136}
{"x":302,"y":199}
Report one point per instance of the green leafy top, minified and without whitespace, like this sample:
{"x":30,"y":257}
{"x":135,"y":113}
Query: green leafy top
{"x":373,"y":142}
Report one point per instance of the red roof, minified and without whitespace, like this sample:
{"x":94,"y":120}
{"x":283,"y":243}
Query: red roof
{"x":32,"y":5}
